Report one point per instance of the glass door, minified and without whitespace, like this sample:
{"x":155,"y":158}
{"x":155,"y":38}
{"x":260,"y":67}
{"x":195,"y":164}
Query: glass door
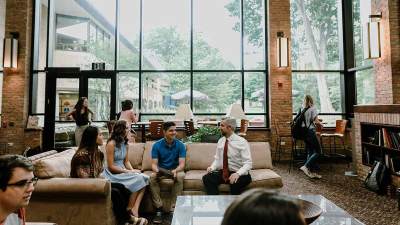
{"x":64,"y":87}
{"x":99,"y":86}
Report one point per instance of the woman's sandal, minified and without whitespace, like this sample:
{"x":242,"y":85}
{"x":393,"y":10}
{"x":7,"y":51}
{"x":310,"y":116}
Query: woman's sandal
{"x":138,"y":220}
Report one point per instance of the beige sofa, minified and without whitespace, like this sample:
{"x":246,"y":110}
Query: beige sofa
{"x":68,"y":201}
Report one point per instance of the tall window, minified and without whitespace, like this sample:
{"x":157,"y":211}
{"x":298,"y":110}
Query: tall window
{"x":207,"y":53}
{"x":315,"y":56}
{"x":365,"y":80}
{"x":2,"y":33}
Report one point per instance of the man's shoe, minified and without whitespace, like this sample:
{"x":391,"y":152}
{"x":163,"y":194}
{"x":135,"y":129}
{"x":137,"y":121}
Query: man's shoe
{"x":306,"y":171}
{"x":158,"y":217}
{"x":172,"y":209}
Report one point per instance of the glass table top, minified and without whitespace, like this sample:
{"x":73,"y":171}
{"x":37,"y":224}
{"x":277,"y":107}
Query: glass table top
{"x":209,"y":210}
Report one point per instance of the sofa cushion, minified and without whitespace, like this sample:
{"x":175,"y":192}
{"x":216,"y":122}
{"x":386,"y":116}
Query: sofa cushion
{"x":261,"y":155}
{"x":135,"y":154}
{"x":193,"y":180}
{"x":146,"y":162}
{"x":56,"y":165}
{"x":265,"y":178}
{"x":42,"y":155}
{"x":199,"y":156}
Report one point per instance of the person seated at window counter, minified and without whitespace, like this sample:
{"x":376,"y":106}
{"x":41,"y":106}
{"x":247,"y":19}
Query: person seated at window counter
{"x":168,"y":161}
{"x":232,"y":161}
{"x":120,"y":170}
{"x":129,"y":116}
{"x":261,"y":206}
{"x":88,"y":161}
{"x":16,"y":187}
{"x":82,"y":116}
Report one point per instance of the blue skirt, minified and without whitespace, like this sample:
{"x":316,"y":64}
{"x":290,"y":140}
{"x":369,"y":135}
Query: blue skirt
{"x":132,"y":181}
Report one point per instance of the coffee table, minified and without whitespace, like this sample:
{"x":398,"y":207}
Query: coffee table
{"x":209,"y":210}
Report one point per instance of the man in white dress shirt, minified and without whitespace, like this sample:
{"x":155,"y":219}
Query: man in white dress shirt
{"x":232,"y":162}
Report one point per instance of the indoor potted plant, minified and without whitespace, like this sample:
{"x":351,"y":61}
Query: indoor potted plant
{"x":206,"y":134}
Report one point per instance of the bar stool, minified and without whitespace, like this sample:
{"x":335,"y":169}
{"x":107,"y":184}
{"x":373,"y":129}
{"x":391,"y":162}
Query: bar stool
{"x":340,"y":130}
{"x":281,"y":134}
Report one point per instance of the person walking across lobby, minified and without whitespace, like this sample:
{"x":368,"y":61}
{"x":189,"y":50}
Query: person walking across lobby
{"x":168,"y":162}
{"x":232,"y":162}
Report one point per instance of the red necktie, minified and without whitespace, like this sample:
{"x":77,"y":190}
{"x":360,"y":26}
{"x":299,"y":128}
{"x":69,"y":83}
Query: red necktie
{"x":225,"y":170}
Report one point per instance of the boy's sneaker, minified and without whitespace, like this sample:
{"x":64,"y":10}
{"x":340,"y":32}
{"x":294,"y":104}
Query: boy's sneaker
{"x":306,"y":171}
{"x":158,"y":217}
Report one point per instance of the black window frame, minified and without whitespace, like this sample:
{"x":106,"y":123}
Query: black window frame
{"x":265,"y":70}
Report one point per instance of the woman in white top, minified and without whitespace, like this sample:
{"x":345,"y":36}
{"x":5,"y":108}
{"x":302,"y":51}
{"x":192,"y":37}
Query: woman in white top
{"x":129,"y":116}
{"x":312,"y":144}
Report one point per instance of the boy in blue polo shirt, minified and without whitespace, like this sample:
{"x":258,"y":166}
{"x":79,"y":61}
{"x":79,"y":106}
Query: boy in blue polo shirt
{"x":168,"y":162}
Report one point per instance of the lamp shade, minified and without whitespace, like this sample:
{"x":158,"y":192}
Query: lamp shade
{"x":236,"y":111}
{"x":282,"y":54}
{"x":10,"y":53}
{"x":183,"y":112}
{"x":372,"y":40}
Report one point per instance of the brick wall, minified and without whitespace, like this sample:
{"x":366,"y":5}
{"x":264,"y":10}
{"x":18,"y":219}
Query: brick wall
{"x":16,"y":82}
{"x":280,"y":95}
{"x":386,"y":68}
{"x":394,"y":20}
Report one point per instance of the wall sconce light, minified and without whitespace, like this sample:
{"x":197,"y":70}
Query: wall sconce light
{"x":372,"y":37}
{"x":282,"y":50}
{"x":10,"y":52}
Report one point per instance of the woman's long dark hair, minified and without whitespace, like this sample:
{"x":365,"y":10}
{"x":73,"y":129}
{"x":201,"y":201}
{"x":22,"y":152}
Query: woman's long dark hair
{"x":79,"y":106}
{"x":89,"y":144}
{"x":261,"y":206}
{"x":119,"y":133}
{"x":89,"y":139}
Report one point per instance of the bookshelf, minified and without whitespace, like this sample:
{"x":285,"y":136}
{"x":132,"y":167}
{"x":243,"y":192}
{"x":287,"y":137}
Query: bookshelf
{"x":381,"y":142}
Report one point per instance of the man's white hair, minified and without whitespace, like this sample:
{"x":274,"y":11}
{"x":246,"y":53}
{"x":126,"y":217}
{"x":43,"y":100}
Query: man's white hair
{"x":230,"y":122}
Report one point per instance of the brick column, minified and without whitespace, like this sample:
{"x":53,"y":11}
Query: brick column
{"x":16,"y":82}
{"x":387,"y":67}
{"x":394,"y":21}
{"x":280,"y":78}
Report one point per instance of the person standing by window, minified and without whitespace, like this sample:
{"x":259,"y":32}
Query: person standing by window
{"x":82,"y":116}
{"x":129,"y":116}
{"x":312,"y":145}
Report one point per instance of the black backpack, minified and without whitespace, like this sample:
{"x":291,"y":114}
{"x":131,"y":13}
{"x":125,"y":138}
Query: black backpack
{"x":298,"y":131}
{"x":378,"y":178}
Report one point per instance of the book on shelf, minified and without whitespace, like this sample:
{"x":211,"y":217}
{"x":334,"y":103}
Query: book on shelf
{"x":395,"y":164}
{"x":386,"y":138}
{"x":367,"y":157}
